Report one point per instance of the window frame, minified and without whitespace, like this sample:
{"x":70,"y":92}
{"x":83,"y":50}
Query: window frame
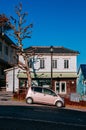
{"x":54,"y":64}
{"x":66,"y":64}
{"x":63,"y":82}
{"x":30,"y":63}
{"x":42,"y":63}
{"x":60,"y":87}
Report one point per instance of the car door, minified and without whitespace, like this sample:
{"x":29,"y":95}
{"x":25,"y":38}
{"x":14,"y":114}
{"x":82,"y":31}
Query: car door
{"x":49,"y":96}
{"x":37,"y":95}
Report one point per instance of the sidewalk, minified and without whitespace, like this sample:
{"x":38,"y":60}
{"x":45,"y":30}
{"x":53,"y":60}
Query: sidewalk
{"x":6,"y":98}
{"x":78,"y":108}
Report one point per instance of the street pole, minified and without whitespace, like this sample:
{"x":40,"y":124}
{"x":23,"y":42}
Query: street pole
{"x":51,"y":51}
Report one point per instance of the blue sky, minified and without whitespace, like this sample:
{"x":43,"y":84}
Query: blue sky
{"x":56,"y":22}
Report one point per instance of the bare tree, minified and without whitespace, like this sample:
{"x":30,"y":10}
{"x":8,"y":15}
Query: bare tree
{"x":20,"y":32}
{"x":4,"y":24}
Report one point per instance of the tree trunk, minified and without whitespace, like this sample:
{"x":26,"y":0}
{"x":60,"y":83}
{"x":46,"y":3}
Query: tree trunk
{"x":28,"y":72}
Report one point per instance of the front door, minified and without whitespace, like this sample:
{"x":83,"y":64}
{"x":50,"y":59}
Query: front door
{"x":60,"y":87}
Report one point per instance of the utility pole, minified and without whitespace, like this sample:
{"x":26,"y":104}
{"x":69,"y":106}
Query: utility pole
{"x":51,"y":52}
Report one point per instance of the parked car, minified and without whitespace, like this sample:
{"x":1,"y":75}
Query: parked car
{"x":43,"y":96}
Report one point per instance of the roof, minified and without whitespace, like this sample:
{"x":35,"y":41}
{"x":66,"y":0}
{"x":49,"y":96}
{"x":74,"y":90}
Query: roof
{"x":9,"y":69}
{"x":46,"y":49}
{"x":83,"y":69}
{"x":8,"y":40}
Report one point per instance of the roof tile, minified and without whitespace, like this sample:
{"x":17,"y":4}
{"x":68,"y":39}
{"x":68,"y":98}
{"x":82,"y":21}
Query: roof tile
{"x":46,"y":49}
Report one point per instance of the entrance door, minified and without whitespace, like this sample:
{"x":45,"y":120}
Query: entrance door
{"x":60,"y":87}
{"x":57,"y":87}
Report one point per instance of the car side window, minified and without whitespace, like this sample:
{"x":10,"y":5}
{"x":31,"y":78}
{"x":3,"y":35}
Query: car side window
{"x":49,"y":92}
{"x":32,"y":88}
{"x":36,"y":89}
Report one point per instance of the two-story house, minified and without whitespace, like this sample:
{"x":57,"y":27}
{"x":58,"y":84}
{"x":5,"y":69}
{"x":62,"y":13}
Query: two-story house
{"x":7,"y":56}
{"x":54,"y":67}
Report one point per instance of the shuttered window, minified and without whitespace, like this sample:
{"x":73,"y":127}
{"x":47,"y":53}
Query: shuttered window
{"x":42,"y":63}
{"x":66,"y":64}
{"x":54,"y":63}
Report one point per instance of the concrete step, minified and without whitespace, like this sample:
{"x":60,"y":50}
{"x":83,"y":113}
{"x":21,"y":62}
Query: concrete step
{"x":6,"y":95}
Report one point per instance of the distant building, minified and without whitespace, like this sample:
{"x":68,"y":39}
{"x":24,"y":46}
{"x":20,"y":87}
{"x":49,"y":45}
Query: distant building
{"x":81,"y":80}
{"x":7,"y":56}
{"x":54,"y":67}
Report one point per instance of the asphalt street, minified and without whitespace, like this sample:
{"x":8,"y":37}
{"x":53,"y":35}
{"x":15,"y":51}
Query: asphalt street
{"x":17,"y":115}
{"x":39,"y":117}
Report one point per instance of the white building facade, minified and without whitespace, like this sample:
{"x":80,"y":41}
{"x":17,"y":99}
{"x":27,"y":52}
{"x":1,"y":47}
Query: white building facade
{"x":59,"y":65}
{"x":56,"y":70}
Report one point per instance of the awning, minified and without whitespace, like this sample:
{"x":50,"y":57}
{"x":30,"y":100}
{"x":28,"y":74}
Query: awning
{"x":48,"y":75}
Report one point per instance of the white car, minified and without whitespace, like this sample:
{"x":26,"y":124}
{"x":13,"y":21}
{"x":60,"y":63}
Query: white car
{"x":43,"y":96}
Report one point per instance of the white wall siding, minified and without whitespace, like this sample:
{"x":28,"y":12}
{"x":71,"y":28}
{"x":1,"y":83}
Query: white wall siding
{"x":9,"y":81}
{"x":11,"y":76}
{"x":60,"y":64}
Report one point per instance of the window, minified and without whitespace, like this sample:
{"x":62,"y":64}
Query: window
{"x":63,"y":87}
{"x":57,"y":87}
{"x":30,"y":63}
{"x":22,"y":83}
{"x":6,"y":50}
{"x":37,"y":89}
{"x":42,"y":63}
{"x":0,"y":47}
{"x":54,"y":63}
{"x":49,"y":92}
{"x":60,"y":87}
{"x":66,"y":64}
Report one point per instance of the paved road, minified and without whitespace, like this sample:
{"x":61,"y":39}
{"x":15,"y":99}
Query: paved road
{"x":39,"y":117}
{"x":15,"y":124}
{"x":16,"y":115}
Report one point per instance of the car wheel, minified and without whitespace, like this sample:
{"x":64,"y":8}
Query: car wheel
{"x":29,"y":100}
{"x":59,"y":104}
